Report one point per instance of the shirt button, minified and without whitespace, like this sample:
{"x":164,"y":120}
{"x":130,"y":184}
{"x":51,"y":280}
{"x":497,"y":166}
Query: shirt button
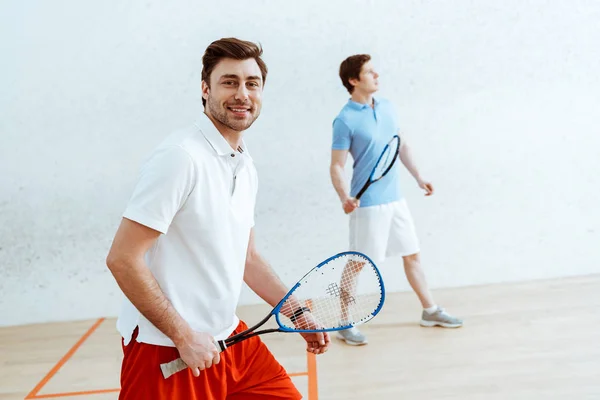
{"x":232,"y":155}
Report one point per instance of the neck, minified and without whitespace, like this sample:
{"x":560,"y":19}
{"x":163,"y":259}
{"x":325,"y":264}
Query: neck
{"x":234,"y":138}
{"x":362,"y":97}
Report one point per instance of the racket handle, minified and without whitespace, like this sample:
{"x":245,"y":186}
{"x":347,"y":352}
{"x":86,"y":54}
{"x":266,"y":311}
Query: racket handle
{"x":172,"y":367}
{"x":178,"y":365}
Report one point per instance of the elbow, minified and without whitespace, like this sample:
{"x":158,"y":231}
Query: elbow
{"x":120,"y":267}
{"x":404,"y":147}
{"x":334,"y":170}
{"x":113,"y":262}
{"x":252,"y":266}
{"x":251,"y":256}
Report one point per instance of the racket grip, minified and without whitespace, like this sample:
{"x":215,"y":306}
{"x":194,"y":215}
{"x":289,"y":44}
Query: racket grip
{"x":175,"y":366}
{"x":172,"y":367}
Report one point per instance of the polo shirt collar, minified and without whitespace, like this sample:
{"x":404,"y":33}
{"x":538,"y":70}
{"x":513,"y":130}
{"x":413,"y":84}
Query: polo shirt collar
{"x":361,"y":106}
{"x":214,"y":137}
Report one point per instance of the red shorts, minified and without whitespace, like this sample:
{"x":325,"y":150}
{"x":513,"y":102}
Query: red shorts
{"x":247,"y":371}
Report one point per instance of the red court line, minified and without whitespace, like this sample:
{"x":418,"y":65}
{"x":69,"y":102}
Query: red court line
{"x":62,"y":361}
{"x":311,"y":373}
{"x":67,"y":394}
{"x":298,"y":374}
{"x":311,"y":366}
{"x":313,"y":390}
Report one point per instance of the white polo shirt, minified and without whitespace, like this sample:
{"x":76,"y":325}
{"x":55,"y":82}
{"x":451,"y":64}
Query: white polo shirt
{"x":200,"y":194}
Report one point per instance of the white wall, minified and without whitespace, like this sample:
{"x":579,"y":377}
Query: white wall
{"x":499,"y":98}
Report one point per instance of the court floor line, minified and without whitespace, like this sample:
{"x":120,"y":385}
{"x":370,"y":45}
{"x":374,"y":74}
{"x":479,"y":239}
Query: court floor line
{"x":311,"y":367}
{"x":63,"y":360}
{"x":313,"y":390}
{"x":68,"y":394}
{"x":311,"y":373}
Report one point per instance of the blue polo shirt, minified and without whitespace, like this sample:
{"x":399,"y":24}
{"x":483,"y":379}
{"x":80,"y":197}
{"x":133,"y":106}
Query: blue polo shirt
{"x":364,"y":131}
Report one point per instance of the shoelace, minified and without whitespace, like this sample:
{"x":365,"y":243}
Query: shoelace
{"x":442,"y":312}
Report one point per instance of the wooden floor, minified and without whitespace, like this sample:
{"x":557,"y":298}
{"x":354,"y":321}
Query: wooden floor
{"x":537,"y":340}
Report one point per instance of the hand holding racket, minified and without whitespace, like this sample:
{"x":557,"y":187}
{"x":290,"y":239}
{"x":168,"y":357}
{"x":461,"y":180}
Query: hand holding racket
{"x":343,"y":291}
{"x":350,"y":205}
{"x":316,"y":342}
{"x":199,"y":349}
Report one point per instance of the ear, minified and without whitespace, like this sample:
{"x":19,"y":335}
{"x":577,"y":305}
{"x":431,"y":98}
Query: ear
{"x":205,"y":90}
{"x":353,"y":81}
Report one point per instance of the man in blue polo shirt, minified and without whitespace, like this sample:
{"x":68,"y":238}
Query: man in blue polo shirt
{"x":380,"y":223}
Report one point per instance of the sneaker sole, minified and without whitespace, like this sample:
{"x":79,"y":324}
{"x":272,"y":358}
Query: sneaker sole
{"x":350,"y":342}
{"x":442,"y":324}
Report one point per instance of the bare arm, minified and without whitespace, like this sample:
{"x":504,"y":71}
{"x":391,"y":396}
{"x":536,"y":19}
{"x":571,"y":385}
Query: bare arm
{"x":126,"y":262}
{"x":336,"y":172}
{"x":263,"y":281}
{"x":407,"y":159}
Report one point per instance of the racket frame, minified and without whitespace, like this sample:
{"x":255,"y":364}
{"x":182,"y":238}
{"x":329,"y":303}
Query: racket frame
{"x":370,"y":181}
{"x":177,"y":365}
{"x":276,"y":310}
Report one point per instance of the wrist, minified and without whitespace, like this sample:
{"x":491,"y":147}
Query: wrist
{"x":292,"y":305}
{"x":182,"y":335}
{"x":298,"y":313}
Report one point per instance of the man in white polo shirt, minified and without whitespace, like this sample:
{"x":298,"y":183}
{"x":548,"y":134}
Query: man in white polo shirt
{"x":186,"y":244}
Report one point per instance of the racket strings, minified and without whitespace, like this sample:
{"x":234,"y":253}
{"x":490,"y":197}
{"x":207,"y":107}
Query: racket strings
{"x":387,"y":158}
{"x":383,"y":163}
{"x":345,"y":292}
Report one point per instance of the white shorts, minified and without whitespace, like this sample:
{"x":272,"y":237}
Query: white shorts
{"x":382,"y":231}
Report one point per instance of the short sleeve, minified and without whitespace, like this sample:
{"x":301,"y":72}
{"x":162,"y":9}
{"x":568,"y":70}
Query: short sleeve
{"x":164,"y":183}
{"x":341,"y":135}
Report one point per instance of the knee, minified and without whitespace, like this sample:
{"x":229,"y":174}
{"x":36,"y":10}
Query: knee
{"x":411,"y":260}
{"x":353,"y":266}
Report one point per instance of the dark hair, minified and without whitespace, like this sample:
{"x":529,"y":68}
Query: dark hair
{"x":231,"y":48}
{"x":350,"y":69}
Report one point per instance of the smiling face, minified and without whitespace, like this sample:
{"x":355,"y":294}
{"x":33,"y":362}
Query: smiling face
{"x":234,"y":95}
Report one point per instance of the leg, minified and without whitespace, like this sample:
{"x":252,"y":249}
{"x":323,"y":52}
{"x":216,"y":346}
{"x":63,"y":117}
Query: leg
{"x":369,"y":232}
{"x":256,"y":374}
{"x":416,"y":278}
{"x":141,"y":377}
{"x":348,"y":287}
{"x":404,"y":241}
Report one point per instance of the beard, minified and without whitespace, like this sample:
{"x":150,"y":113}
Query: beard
{"x":219,"y":112}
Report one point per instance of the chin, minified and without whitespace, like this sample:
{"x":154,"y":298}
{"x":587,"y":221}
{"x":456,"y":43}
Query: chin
{"x":241,"y":124}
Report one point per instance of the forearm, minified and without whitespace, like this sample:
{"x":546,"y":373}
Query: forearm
{"x":141,"y":288}
{"x":339,"y":182}
{"x":408,"y":160}
{"x":262,"y":279}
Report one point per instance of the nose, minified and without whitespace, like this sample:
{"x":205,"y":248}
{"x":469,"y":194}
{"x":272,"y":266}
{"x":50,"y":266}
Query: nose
{"x":376,"y":75}
{"x":242,"y":93}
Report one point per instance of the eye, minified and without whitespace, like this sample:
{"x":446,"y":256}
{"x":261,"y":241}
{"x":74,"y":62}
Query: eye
{"x":253,"y":84}
{"x":229,"y":83}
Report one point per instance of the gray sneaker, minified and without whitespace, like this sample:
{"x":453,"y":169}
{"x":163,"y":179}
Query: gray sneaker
{"x":352,"y":336}
{"x":441,"y":318}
